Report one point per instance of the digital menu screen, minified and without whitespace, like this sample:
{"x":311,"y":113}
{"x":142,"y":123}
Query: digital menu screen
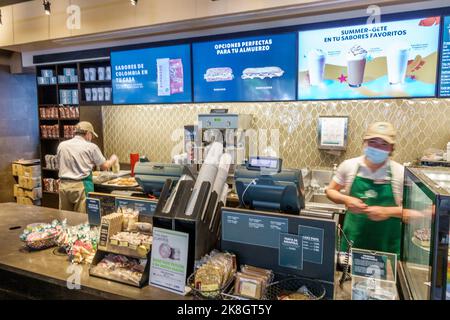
{"x":384,"y":60}
{"x":444,"y":87}
{"x":152,"y":75}
{"x":261,"y":68}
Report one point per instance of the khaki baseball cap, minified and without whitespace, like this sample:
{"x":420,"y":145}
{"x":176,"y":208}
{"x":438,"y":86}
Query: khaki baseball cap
{"x":383,"y":130}
{"x":85,"y":126}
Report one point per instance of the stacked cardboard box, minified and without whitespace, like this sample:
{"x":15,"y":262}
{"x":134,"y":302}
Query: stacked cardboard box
{"x":28,"y":189}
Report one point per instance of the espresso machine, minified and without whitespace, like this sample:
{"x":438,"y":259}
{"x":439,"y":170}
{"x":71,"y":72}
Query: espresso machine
{"x":226,"y":128}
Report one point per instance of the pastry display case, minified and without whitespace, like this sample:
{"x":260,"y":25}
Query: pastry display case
{"x":424,"y":271}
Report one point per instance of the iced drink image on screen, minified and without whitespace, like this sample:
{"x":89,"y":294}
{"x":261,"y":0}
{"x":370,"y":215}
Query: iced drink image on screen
{"x":356,"y":65}
{"x":397,"y":63}
{"x":316,"y":66}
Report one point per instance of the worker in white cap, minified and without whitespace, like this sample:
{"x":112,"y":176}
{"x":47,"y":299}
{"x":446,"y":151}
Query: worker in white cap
{"x":77,"y":158}
{"x":373,"y":185}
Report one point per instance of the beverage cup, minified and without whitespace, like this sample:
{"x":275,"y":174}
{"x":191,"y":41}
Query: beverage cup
{"x":86,"y":74}
{"x":94,"y":94}
{"x":107,"y":94}
{"x":88,"y":94}
{"x":316,"y":66}
{"x":101,"y":73}
{"x":101,"y":94}
{"x":108,"y":73}
{"x":134,"y":158}
{"x":397,"y":63}
{"x":92,"y":74}
{"x":356,"y":65}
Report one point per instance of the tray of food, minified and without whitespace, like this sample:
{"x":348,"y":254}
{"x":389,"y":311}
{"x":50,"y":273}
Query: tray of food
{"x":100,"y":177}
{"x":122,"y":182}
{"x":120,"y":268}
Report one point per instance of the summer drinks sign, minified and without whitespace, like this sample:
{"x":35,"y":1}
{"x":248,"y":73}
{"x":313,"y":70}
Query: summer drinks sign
{"x":153,"y":75}
{"x":393,"y":59}
{"x":258,"y":68}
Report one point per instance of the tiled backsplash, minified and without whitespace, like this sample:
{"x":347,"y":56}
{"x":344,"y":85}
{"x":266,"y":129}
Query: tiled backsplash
{"x":152,"y":129}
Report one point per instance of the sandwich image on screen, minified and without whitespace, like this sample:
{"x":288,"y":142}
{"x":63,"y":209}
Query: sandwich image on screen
{"x":169,"y":76}
{"x":262,"y":73}
{"x":219,"y":74}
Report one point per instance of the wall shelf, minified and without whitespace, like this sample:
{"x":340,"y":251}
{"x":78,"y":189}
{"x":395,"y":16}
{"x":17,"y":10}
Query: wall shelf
{"x":49,"y":96}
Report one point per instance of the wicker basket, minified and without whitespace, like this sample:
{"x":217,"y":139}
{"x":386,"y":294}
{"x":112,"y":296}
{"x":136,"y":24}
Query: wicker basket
{"x":276,"y":290}
{"x":43,"y":243}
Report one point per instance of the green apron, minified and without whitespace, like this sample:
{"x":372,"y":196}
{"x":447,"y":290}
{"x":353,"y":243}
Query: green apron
{"x":365,"y":233}
{"x":88,"y":183}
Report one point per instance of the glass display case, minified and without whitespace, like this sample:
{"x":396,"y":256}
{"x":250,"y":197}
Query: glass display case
{"x":425,"y":267}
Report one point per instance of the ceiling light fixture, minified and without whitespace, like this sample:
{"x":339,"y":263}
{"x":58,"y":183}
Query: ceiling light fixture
{"x":47,"y":4}
{"x":134,"y":2}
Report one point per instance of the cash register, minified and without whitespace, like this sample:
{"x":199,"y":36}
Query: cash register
{"x":262,"y":184}
{"x":153,"y":176}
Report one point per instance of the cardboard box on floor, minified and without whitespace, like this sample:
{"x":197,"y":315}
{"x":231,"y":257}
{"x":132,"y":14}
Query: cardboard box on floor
{"x":29,"y":183}
{"x":31,"y":171}
{"x":28,"y":201}
{"x":29,"y":168}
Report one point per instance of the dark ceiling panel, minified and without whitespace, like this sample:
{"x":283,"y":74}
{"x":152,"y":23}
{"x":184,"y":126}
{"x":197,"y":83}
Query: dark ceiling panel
{"x":4,"y":3}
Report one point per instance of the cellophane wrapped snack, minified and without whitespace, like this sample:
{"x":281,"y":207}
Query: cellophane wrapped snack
{"x":80,"y":242}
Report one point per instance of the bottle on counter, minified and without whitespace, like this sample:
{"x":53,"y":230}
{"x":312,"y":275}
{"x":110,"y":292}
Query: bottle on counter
{"x":448,"y":152}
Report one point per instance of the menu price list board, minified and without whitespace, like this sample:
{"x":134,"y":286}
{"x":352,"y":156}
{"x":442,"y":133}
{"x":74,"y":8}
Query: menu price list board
{"x":258,"y":68}
{"x":384,"y":60}
{"x":444,"y":88}
{"x":152,"y":75}
{"x":258,"y":230}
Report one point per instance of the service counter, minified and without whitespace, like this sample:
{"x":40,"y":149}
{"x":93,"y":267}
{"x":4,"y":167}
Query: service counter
{"x":44,"y":274}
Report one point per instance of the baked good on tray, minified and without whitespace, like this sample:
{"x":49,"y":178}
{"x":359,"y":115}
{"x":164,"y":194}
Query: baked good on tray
{"x":423,"y":236}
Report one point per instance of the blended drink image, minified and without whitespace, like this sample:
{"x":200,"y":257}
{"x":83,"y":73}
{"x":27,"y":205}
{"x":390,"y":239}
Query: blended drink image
{"x":316,"y":66}
{"x":356,"y":65}
{"x":397,"y":63}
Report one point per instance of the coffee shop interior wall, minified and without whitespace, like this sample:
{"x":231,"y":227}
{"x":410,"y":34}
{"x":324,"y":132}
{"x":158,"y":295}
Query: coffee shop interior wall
{"x":154,"y":130}
{"x":19,"y":133}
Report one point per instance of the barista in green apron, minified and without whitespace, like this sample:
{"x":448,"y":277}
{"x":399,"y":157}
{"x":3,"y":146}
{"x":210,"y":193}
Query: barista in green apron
{"x":77,"y":158}
{"x":372,"y":220}
{"x":369,"y":234}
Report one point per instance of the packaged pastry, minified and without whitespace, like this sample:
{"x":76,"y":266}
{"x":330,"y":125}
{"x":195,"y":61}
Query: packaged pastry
{"x":216,"y":270}
{"x":120,"y":268}
{"x":208,"y":278}
{"x":130,"y":220}
{"x":251,"y":282}
{"x":144,"y":227}
{"x":248,"y":286}
{"x":255,"y":270}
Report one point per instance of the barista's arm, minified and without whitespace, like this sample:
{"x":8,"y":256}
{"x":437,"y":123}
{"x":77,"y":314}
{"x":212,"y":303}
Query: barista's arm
{"x":108,"y":163}
{"x":100,"y":161}
{"x":353,"y":204}
{"x":377,"y":213}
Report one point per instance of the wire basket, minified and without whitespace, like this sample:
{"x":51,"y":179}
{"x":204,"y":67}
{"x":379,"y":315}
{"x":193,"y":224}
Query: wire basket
{"x":211,"y":294}
{"x":295,"y":288}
